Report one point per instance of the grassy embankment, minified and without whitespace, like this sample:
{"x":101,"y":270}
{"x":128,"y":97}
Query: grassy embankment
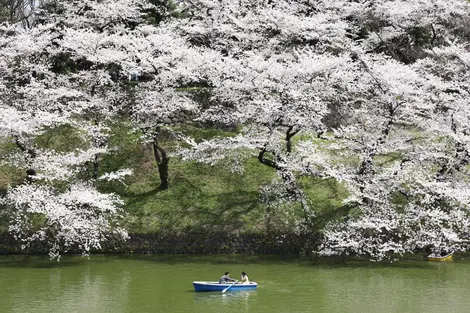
{"x":200,"y":197}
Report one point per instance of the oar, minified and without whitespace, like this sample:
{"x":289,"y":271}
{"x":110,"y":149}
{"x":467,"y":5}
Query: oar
{"x":223,"y":291}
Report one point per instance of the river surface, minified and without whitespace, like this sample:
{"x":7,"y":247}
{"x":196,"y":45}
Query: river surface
{"x":162,"y":283}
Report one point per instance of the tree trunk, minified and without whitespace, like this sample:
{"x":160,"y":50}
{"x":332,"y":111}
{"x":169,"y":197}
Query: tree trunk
{"x":162,"y":159}
{"x":163,"y":171}
{"x":96,"y":165}
{"x":30,"y":172}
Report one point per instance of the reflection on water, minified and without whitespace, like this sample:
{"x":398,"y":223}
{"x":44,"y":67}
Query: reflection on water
{"x":242,"y":300}
{"x":224,"y":297}
{"x":61,"y":291}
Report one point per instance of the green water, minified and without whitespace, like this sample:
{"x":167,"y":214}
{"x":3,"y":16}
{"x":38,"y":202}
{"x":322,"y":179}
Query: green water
{"x":163,"y":284}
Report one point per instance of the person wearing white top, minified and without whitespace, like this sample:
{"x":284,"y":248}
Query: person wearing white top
{"x":244,"y":279}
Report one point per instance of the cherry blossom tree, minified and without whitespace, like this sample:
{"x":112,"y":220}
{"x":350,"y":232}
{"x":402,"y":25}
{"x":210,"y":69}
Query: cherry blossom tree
{"x":408,"y":182}
{"x":67,"y":70}
{"x":42,"y":208}
{"x":18,"y":11}
{"x":280,"y":64}
{"x":161,"y":98}
{"x":385,"y":70}
{"x":78,"y":218}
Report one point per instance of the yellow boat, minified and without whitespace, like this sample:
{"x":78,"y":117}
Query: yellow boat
{"x":437,"y":258}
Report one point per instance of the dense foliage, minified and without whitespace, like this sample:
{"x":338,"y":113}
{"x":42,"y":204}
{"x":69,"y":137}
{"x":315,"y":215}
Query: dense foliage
{"x":367,"y":94}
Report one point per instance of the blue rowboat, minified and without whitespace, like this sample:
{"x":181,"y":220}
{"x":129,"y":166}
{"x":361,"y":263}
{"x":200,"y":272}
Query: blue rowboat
{"x":215,"y":286}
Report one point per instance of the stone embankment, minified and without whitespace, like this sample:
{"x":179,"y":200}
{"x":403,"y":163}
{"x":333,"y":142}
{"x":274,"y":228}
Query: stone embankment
{"x":195,"y":243}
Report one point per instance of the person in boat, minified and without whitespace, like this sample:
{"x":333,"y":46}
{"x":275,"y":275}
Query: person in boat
{"x":244,"y":279}
{"x":226,"y":278}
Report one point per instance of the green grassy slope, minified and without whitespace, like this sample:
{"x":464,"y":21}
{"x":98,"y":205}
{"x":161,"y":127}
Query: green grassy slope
{"x":200,"y":197}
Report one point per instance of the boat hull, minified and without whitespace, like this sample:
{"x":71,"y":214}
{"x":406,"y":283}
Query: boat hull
{"x":445,"y":258}
{"x":215,"y":286}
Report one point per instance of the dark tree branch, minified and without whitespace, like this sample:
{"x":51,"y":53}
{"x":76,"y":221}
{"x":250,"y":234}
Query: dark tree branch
{"x":289,"y":134}
{"x":267,"y":162}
